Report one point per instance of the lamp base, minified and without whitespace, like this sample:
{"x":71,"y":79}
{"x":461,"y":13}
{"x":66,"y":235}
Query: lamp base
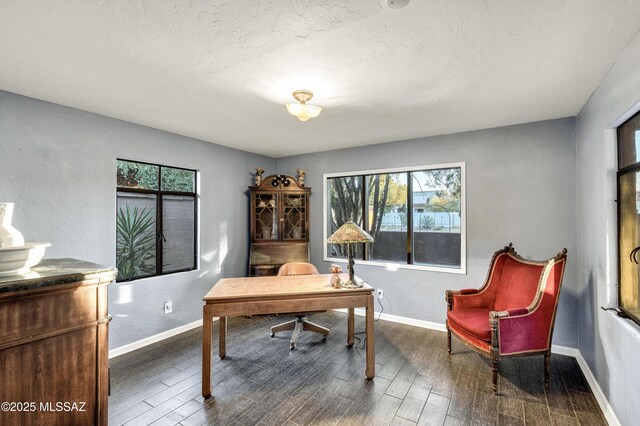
{"x":351,"y":284}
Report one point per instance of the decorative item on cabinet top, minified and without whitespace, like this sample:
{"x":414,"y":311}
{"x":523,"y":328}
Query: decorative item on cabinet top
{"x":16,"y":257}
{"x":279,"y":181}
{"x":301,"y":175}
{"x":259,"y":172}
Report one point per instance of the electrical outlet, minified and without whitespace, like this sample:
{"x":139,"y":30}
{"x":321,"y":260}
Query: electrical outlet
{"x":380,"y":294}
{"x":168,"y":307}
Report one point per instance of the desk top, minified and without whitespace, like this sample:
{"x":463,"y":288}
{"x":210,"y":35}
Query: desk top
{"x":279,"y":286}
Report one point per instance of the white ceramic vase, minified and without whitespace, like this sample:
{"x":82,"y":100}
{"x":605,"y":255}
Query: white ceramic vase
{"x":9,"y":236}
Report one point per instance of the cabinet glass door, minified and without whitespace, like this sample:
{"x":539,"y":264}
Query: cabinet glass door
{"x":266,"y":206}
{"x":294,"y":224}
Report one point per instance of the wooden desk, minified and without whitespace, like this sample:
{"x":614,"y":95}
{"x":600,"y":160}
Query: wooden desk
{"x":269,"y":295}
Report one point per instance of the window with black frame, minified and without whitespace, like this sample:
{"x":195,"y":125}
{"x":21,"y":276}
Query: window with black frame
{"x":416,"y":216}
{"x":629,"y":217}
{"x":155,"y":220}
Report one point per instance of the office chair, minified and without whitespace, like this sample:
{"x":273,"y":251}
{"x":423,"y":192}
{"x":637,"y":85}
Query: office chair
{"x":300,"y":323}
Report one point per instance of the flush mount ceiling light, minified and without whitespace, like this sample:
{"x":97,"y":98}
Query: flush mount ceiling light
{"x":303,"y":111}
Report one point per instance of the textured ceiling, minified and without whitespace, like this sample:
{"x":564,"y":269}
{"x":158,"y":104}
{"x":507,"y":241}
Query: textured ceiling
{"x":221,"y":71}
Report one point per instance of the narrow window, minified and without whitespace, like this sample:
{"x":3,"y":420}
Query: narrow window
{"x":155,"y":220}
{"x":629,"y":216}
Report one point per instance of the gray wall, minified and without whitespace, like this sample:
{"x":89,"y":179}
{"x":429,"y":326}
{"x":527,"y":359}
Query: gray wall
{"x":59,"y":166}
{"x":610,"y":345}
{"x":520,"y":188}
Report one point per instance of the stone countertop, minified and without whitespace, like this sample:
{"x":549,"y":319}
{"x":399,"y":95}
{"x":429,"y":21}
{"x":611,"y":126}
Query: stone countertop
{"x":52,"y":272}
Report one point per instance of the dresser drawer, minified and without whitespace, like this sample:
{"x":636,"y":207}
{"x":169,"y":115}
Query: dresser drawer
{"x":58,"y":309}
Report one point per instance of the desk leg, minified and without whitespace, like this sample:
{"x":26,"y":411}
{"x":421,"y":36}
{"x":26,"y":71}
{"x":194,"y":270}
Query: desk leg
{"x":371,"y":348}
{"x":222,"y":341}
{"x":350,"y":327}
{"x":207,"y":319}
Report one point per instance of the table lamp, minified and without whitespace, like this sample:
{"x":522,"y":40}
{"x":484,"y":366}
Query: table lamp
{"x":348,"y":234}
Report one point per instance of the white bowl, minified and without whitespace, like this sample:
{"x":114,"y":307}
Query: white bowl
{"x":19,"y":259}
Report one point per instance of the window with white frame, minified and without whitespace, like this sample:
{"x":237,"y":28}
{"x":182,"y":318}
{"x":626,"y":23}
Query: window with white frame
{"x":415,"y":215}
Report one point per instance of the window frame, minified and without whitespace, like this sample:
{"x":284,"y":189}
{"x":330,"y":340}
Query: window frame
{"x":462,"y":270}
{"x":620,"y":172}
{"x":159,"y":193}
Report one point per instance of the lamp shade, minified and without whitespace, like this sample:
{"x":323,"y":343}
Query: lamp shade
{"x":350,"y":233}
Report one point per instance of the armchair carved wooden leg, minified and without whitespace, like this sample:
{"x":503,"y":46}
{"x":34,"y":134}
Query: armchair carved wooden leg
{"x":495,"y":359}
{"x":495,"y":350}
{"x":547,"y":367}
{"x":448,"y":297}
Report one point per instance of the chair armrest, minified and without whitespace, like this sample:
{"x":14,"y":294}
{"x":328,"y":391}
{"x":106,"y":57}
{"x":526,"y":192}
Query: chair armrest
{"x":448,"y":297}
{"x":517,"y":311}
{"x":498,"y":315}
{"x":519,"y":330}
{"x":467,"y":298}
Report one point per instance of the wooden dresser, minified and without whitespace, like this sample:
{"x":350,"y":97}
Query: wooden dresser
{"x":54,"y":344}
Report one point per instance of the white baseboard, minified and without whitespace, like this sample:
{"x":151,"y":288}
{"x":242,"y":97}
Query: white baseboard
{"x":401,"y":320}
{"x":603,"y":402}
{"x":606,"y":408}
{"x":153,"y":339}
{"x":565,"y":350}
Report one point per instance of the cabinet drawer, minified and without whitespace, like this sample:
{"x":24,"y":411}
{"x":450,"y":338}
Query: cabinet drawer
{"x":26,"y":317}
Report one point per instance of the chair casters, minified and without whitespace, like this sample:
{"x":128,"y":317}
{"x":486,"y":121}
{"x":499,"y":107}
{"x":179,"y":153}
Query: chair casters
{"x":324,"y":338}
{"x":273,"y":334}
{"x":293,"y":346}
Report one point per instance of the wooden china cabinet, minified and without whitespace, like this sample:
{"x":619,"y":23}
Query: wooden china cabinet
{"x":279,"y":224}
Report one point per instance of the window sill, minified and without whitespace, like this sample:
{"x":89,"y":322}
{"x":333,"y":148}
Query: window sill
{"x":152,"y":277}
{"x":389,"y":266}
{"x":627,"y":324}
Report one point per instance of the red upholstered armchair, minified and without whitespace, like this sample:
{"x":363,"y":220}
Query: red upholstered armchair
{"x":513,"y":313}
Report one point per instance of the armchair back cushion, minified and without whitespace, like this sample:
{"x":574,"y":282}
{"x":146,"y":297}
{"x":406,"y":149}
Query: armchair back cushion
{"x":512,"y":283}
{"x":515,"y":283}
{"x":532,"y":332}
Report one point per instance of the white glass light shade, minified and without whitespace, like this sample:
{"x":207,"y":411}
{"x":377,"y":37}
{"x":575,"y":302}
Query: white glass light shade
{"x":303,"y":111}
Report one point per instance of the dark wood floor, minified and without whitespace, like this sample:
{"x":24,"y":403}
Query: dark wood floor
{"x":262,"y":382}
